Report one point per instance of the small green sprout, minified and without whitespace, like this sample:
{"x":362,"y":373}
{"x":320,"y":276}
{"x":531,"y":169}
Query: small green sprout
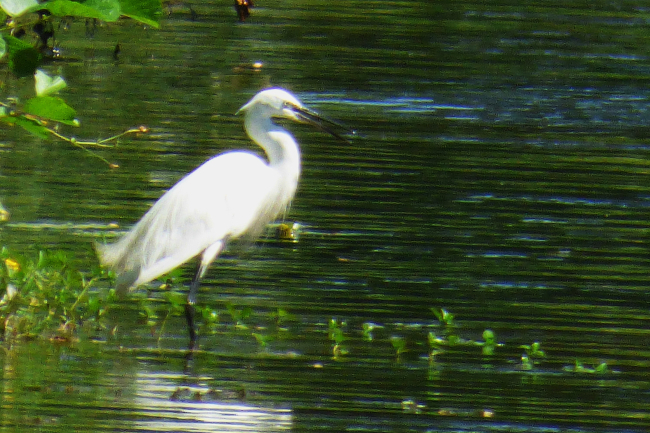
{"x":399,"y":344}
{"x":281,"y":316}
{"x":47,"y":297}
{"x":490,"y":343}
{"x":176,"y":301}
{"x":534,"y":350}
{"x":444,"y":317}
{"x":368,"y":327}
{"x":238,"y":316}
{"x":262,"y":339}
{"x":435,"y":345}
{"x":335,"y":334}
{"x":579,"y":367}
{"x":210,"y":318}
{"x":209,"y":315}
{"x":532,"y":356}
{"x":411,"y":406}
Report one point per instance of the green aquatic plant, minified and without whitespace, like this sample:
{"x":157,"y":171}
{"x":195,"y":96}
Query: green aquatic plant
{"x":262,"y":339}
{"x":533,"y":355}
{"x":579,"y":367}
{"x":281,"y":316}
{"x":450,"y":337}
{"x":399,"y":344}
{"x":444,"y":317}
{"x":210,"y":318}
{"x":489,"y":344}
{"x":239,"y":315}
{"x":4,"y":214}
{"x":435,"y":345}
{"x":48,"y":298}
{"x":336,"y":335}
{"x":368,"y":328}
{"x":446,"y":320}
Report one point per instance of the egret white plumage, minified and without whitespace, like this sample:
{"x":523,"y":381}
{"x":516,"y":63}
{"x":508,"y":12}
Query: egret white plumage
{"x":231,"y":195}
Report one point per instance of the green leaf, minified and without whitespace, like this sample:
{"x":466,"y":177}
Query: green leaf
{"x":399,"y":344}
{"x":488,"y":336}
{"x":23,"y":58}
{"x":106,"y":10}
{"x":3,"y":47}
{"x":16,"y":8}
{"x":146,"y":11}
{"x":602,"y":368}
{"x":51,"y":107}
{"x":46,"y":85}
{"x":32,"y":127}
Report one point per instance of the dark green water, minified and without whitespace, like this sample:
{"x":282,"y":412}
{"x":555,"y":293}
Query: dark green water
{"x":500,"y":171}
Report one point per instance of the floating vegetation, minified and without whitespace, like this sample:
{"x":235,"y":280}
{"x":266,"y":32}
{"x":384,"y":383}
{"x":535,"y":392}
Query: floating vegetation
{"x":281,"y":317}
{"x":579,"y":367}
{"x":450,"y":337}
{"x":335,"y":334}
{"x":490,"y":343}
{"x":368,"y":327}
{"x":533,"y":355}
{"x":47,"y":298}
{"x":239,"y":315}
{"x":4,"y":214}
{"x":399,"y":344}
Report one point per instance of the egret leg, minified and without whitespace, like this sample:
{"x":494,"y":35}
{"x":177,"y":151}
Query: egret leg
{"x":189,"y":308}
{"x":207,"y":257}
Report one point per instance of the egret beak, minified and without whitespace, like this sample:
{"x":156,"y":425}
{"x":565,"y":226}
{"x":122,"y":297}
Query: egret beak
{"x":324,"y":124}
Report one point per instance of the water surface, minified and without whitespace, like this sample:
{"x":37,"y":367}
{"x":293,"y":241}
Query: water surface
{"x":500,"y":171}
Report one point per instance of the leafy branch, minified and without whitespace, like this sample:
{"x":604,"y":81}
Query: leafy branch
{"x":36,"y":115}
{"x":41,"y":115}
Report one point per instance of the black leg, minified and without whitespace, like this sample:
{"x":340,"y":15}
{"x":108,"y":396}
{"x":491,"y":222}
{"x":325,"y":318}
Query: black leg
{"x":204,"y":261}
{"x":189,"y":315}
{"x":189,"y":307}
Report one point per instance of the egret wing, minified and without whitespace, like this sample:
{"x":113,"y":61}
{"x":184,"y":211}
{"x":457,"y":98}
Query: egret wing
{"x":223,"y":198}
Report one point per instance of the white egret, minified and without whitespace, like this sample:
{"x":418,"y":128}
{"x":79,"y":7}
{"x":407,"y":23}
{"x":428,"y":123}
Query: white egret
{"x":231,"y":195}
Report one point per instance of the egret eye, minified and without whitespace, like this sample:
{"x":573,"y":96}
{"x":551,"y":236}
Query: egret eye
{"x":288,"y":105}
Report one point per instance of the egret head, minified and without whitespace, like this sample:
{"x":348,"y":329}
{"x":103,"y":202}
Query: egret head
{"x":279,"y":103}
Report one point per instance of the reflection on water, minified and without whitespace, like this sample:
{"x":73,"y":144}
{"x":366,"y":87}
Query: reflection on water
{"x":500,"y":172}
{"x":163,"y":406}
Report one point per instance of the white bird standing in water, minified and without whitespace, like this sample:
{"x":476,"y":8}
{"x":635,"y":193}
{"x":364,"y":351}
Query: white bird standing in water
{"x":231,"y":195}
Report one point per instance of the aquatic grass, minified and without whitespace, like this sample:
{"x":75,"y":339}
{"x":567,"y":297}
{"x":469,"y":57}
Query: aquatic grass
{"x":239,"y":315}
{"x":281,"y":317}
{"x":533,"y":355}
{"x":490,"y":344}
{"x":158,"y":305}
{"x":368,"y":328}
{"x":47,"y":298}
{"x":399,"y":344}
{"x":579,"y":367}
{"x":451,"y":338}
{"x":336,"y":335}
